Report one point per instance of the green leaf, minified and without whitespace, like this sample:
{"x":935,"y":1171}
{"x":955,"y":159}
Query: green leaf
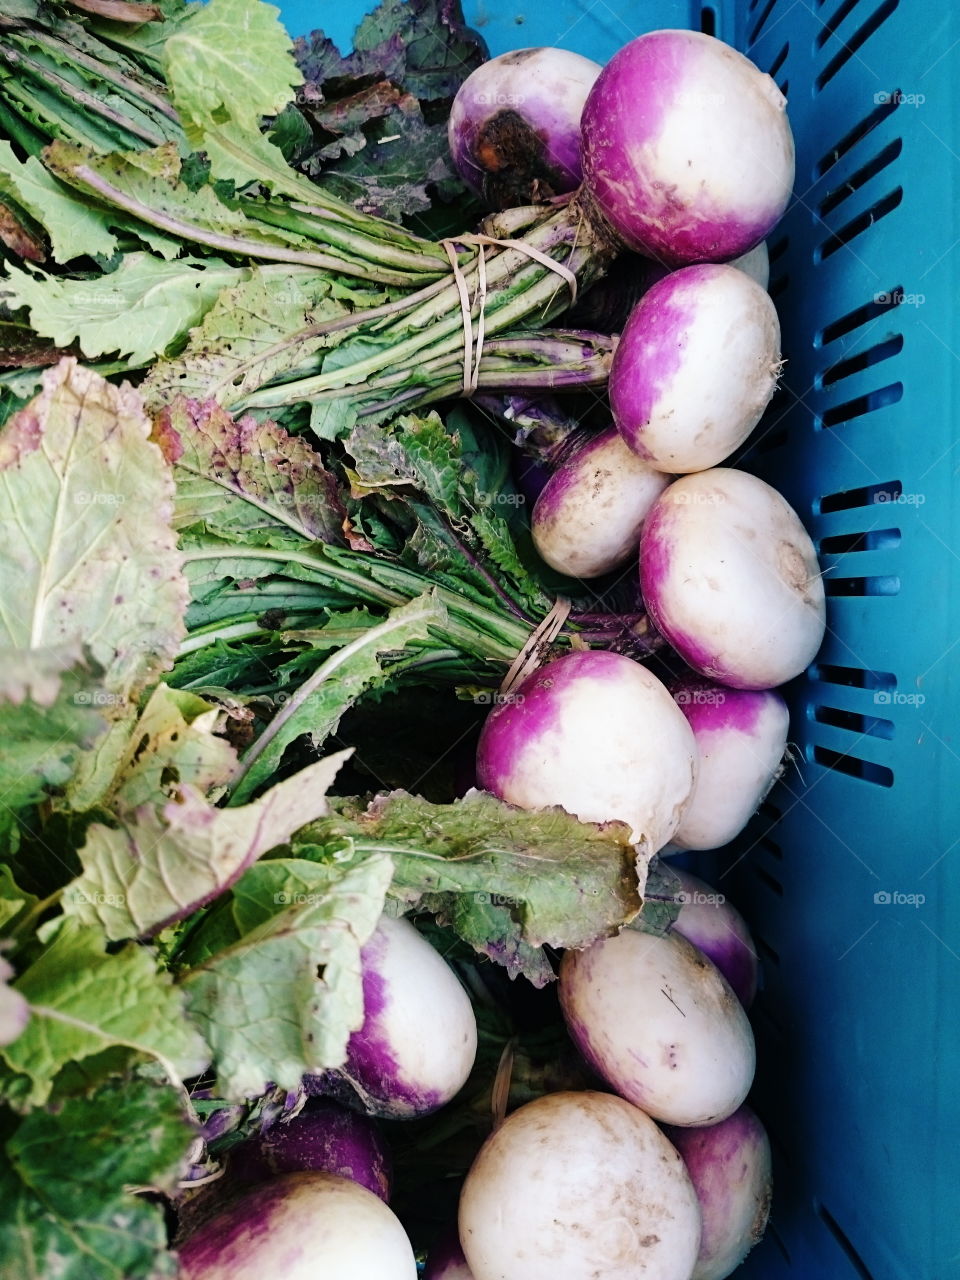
{"x":504,"y":879}
{"x":67,"y":1211}
{"x":87,"y":553}
{"x":74,"y":226}
{"x":348,"y":673}
{"x":50,"y":707}
{"x":137,"y":311}
{"x":265,"y":328}
{"x":247,"y":480}
{"x":231,"y":60}
{"x":174,"y":744}
{"x":83,"y":1001}
{"x":14,"y":901}
{"x":162,"y":863}
{"x":284,"y":999}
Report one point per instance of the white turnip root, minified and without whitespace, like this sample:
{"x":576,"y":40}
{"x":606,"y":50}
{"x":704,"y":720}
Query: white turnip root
{"x":660,"y":1024}
{"x":730,"y":576}
{"x":588,"y":517}
{"x":695,"y":367}
{"x":419,"y":1035}
{"x":298,"y":1227}
{"x":741,"y":738}
{"x":717,"y":928}
{"x":599,"y":735}
{"x":578,"y":1185}
{"x":686,"y":148}
{"x":729,"y":1164}
{"x":514,"y":128}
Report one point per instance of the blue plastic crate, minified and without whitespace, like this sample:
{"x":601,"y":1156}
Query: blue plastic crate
{"x":858,"y":1024}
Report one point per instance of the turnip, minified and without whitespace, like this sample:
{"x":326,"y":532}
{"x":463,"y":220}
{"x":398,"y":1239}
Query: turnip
{"x":741,"y":739}
{"x":446,"y":1260}
{"x":299,"y":1227}
{"x":730,"y":577}
{"x":729,"y":1164}
{"x":695,"y":367}
{"x":756,"y":264}
{"x":660,"y":1024}
{"x":514,"y":128}
{"x":324,"y":1137}
{"x":686,"y":148}
{"x":599,"y":735}
{"x":419,"y":1035}
{"x":588,"y":517}
{"x":578,"y":1185}
{"x":717,"y":928}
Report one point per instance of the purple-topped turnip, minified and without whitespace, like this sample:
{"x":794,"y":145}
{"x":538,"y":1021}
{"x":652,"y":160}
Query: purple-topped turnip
{"x":695,"y":367}
{"x":729,"y":1165}
{"x":324,"y":1137}
{"x":418,"y":1041}
{"x":741,"y":739}
{"x":660,"y":1024}
{"x":298,"y":1227}
{"x":730,"y":577}
{"x":514,"y":128}
{"x":686,"y":148}
{"x":717,"y":928}
{"x":599,"y":735}
{"x":446,"y":1260}
{"x":589,"y":514}
{"x":578,"y":1185}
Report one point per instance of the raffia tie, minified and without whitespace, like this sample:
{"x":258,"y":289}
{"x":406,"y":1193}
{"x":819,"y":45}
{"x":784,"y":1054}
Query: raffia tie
{"x":473,"y":351}
{"x":531,"y":655}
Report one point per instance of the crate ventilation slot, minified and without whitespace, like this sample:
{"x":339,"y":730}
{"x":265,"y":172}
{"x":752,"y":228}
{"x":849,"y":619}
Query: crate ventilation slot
{"x":881,"y":585}
{"x":778,"y":1241}
{"x":768,"y":846}
{"x":863,"y":360}
{"x":856,"y":226}
{"x":708,"y":20}
{"x":777,"y":286}
{"x":767,"y":953}
{"x":833,"y":199}
{"x":855,"y":722}
{"x":772,"y":440}
{"x":831,"y":24}
{"x":882,"y":301}
{"x":860,"y":1268}
{"x":850,"y":139}
{"x":778,"y":248}
{"x":853,"y":766}
{"x":855,"y":677}
{"x":845,"y":544}
{"x":761,"y":22}
{"x":778,"y":61}
{"x":850,"y":499}
{"x":769,"y":880}
{"x":861,"y":405}
{"x":855,"y":41}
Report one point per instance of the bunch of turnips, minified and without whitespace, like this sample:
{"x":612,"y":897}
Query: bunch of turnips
{"x":367,"y":751}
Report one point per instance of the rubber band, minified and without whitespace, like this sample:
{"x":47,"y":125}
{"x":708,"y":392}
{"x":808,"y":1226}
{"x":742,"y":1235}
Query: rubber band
{"x":472,"y":353}
{"x":531,"y":655}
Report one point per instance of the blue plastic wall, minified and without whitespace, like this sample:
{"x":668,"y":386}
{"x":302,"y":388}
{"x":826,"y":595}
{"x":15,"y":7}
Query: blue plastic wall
{"x":854,"y":890}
